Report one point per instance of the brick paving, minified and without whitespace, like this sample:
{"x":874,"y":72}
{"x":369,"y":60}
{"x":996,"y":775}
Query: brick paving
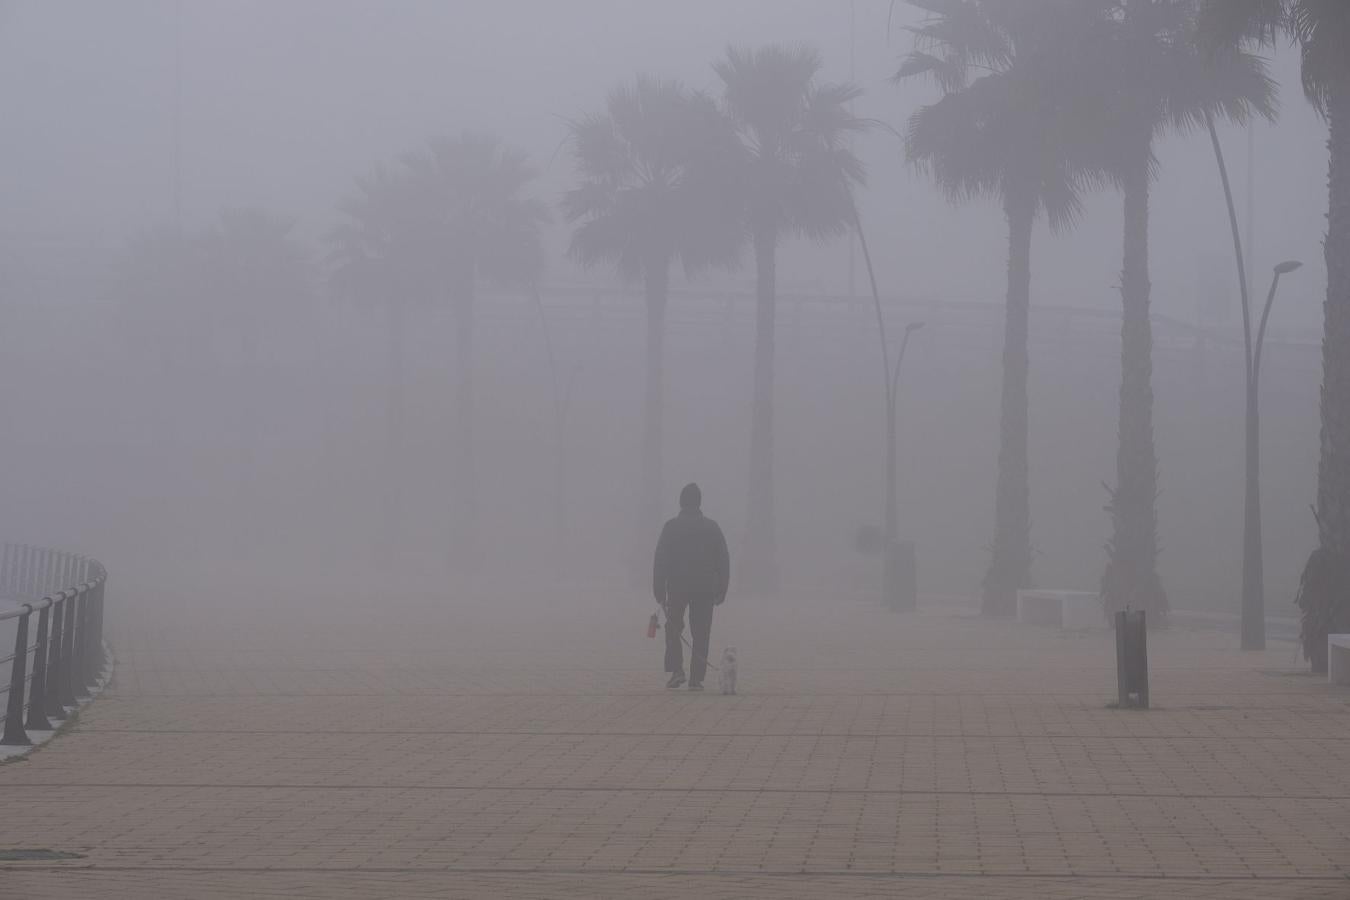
{"x":490,"y":749}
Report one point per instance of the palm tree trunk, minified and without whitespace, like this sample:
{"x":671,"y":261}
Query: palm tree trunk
{"x":758,"y":569}
{"x":1010,"y":568}
{"x":393,"y":431}
{"x":1131,"y":578}
{"x":466,"y":512}
{"x":1329,"y":607}
{"x":653,"y":410}
{"x":1333,"y":491}
{"x":560,"y":444}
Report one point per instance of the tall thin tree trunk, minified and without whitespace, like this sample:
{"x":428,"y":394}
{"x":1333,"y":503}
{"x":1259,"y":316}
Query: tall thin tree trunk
{"x":759,"y":570}
{"x":1325,"y":595}
{"x":1010,"y":567}
{"x":1131,"y":577}
{"x":653,"y":410}
{"x":466,"y":484}
{"x":393,"y":431}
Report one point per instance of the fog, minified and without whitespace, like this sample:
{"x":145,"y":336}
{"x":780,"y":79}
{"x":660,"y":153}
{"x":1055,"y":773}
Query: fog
{"x":415,"y":371}
{"x":207,"y":445}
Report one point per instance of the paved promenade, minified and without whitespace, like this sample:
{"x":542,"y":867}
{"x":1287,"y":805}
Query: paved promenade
{"x":495,"y":750}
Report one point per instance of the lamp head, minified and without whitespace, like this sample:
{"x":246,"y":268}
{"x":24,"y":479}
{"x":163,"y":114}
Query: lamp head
{"x":1288,"y":265}
{"x":913,"y":326}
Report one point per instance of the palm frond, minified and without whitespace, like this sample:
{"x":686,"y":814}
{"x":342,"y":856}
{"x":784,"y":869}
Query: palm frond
{"x":1322,"y":30}
{"x":794,"y":134}
{"x":949,"y":73}
{"x":1233,"y":23}
{"x":656,"y":171}
{"x":449,"y":212}
{"x":1035,"y":125}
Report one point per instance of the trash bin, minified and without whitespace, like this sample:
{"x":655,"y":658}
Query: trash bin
{"x":1132,"y":659}
{"x":901,"y":584}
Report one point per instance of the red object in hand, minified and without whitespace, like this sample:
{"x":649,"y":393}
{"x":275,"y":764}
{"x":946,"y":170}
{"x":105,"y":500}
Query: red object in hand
{"x":653,"y":624}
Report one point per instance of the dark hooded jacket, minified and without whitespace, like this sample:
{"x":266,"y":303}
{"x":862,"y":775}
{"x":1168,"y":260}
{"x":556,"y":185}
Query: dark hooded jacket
{"x":692,"y":562}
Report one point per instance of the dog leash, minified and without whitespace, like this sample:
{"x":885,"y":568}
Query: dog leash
{"x":691,"y":651}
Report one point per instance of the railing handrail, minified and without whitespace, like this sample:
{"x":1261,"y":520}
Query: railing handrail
{"x":31,"y":606}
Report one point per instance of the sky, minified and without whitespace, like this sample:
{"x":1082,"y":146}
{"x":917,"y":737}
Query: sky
{"x":284,"y":102}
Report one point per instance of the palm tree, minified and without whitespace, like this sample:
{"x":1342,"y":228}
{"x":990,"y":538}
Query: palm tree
{"x":156,"y":289}
{"x":155,"y":279}
{"x":1321,"y":30}
{"x":1170,"y":85}
{"x":652,"y":194}
{"x":253,"y":264}
{"x":380,"y":255}
{"x":796,"y":175}
{"x":1025,"y":132}
{"x":480,"y":225}
{"x":253,"y":269}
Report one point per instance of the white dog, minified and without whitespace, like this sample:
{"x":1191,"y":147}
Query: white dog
{"x":726,"y":671}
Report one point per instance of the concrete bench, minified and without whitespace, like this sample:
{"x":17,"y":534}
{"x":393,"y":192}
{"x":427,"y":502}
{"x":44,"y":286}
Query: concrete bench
{"x":1072,"y":610}
{"x":1338,"y":658}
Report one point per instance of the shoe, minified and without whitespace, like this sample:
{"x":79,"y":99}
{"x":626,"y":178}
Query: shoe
{"x":675,"y":680}
{"x":695,"y":685}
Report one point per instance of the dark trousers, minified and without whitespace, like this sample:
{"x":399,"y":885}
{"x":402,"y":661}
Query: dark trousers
{"x":700,"y":628}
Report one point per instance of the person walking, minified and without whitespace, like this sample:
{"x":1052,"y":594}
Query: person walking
{"x":691,"y":572}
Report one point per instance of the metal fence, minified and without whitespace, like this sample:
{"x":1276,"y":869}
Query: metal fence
{"x":49,"y":677}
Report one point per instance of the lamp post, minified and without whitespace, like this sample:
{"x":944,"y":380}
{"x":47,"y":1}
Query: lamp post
{"x":892,"y":557}
{"x":1253,"y":576}
{"x":893,"y":384}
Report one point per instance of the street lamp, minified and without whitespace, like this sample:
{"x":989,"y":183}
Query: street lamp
{"x":890,"y":553}
{"x":1253,"y":576}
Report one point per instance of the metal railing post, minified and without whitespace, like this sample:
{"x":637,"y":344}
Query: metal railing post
{"x":102,"y":647}
{"x":37,"y":693}
{"x":56,"y":709}
{"x":84,"y":671}
{"x":14,"y":733}
{"x":96,"y":632}
{"x":77,"y":647}
{"x":66,"y":684}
